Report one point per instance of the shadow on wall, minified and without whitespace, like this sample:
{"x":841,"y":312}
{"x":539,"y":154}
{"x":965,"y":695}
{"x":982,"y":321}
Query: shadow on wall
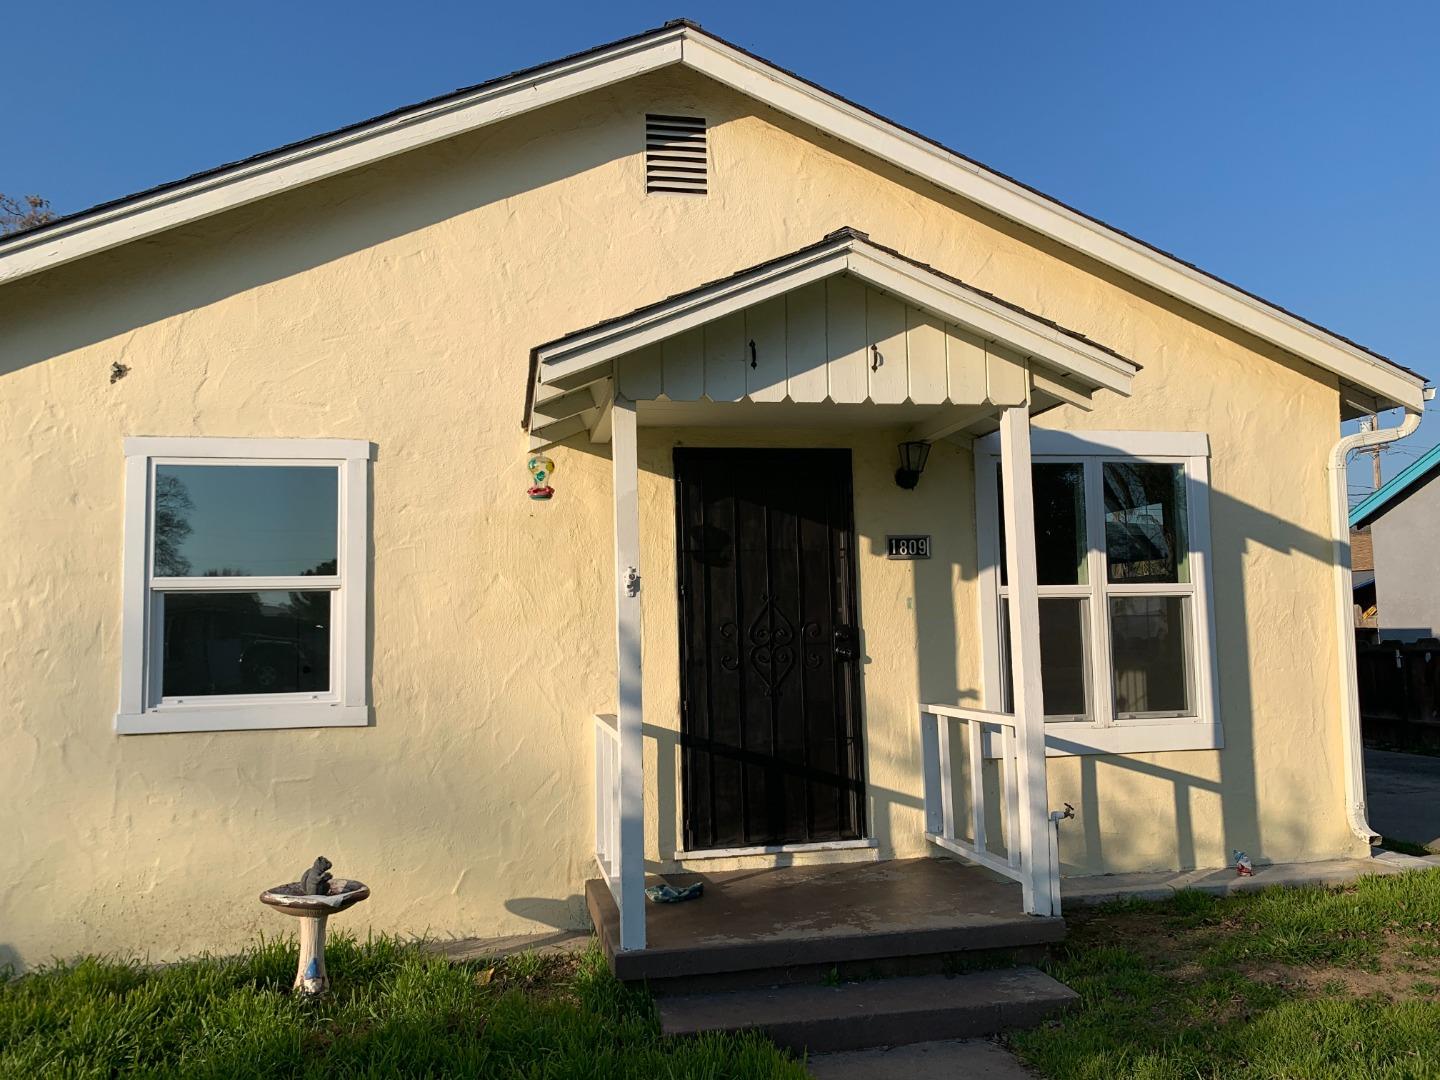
{"x":667,"y":780}
{"x":566,"y":914}
{"x":1238,"y":529}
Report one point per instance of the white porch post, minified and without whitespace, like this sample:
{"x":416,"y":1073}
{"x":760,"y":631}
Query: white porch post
{"x":1033,"y":827}
{"x":630,"y":859}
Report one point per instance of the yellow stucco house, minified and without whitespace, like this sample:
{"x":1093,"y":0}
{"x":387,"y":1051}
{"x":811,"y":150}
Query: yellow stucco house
{"x":895,"y":507}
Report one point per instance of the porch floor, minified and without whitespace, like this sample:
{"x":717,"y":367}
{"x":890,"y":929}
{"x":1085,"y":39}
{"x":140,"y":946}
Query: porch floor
{"x":799,"y":916}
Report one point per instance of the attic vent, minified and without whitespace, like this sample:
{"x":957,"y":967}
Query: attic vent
{"x":675,"y":154}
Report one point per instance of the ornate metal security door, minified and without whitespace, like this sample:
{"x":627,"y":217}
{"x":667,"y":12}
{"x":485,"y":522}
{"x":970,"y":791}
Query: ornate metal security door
{"x":770,"y":724}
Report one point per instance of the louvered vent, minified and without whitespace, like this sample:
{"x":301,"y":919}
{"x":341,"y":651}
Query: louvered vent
{"x":675,"y":154}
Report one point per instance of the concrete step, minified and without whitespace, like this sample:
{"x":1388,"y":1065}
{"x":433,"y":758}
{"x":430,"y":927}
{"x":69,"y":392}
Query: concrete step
{"x":881,"y":1012}
{"x":844,"y":969}
{"x":802,"y":930}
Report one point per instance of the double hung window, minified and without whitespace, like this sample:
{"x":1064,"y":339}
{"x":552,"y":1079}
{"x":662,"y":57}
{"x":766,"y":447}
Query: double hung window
{"x":1121,"y":539}
{"x":245,"y":600}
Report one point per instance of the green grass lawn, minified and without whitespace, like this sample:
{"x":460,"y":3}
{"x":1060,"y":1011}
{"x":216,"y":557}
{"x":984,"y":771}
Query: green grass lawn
{"x":1333,"y":983}
{"x":396,"y":1010}
{"x":1292,"y":983}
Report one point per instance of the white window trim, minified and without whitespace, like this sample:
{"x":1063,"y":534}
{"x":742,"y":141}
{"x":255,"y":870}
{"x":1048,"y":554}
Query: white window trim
{"x":1102,"y":733}
{"x":347,"y":705}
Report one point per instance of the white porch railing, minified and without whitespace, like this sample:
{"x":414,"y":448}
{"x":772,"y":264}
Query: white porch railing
{"x":607,"y":801}
{"x":1040,"y":871}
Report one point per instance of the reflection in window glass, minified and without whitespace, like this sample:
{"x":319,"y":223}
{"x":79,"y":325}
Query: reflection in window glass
{"x":1062,"y":656}
{"x":1148,"y":651}
{"x":1060,"y":543}
{"x":1145,"y":522}
{"x":245,"y":643}
{"x":245,"y":520}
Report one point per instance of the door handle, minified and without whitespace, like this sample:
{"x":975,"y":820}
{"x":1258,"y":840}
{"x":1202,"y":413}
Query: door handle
{"x":844,"y":638}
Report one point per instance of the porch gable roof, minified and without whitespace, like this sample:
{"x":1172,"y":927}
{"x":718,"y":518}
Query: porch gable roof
{"x":1068,"y":362}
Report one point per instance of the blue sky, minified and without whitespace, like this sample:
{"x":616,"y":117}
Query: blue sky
{"x":1293,"y":148}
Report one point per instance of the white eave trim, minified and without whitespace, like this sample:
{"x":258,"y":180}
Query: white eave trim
{"x":853,"y":125}
{"x":587,"y":356}
{"x":248,"y":182}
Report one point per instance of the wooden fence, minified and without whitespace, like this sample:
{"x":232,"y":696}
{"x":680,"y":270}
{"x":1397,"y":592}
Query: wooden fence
{"x":1400,"y":693}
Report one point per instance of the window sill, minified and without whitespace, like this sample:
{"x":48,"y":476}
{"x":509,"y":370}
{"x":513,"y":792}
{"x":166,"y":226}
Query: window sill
{"x":1139,"y":737}
{"x":241,"y":718}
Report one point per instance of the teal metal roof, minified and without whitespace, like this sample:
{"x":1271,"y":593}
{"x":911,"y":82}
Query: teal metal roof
{"x":1396,"y":488}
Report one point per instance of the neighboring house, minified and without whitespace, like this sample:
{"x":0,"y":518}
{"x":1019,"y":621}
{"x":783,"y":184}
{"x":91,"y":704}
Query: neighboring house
{"x":272,"y":584}
{"x":1402,"y":520}
{"x":1362,"y":580}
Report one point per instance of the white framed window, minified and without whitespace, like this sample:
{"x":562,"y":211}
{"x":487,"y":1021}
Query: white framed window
{"x":1122,"y":543}
{"x":244,"y":584}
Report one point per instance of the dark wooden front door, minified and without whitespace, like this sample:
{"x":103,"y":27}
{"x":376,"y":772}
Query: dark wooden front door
{"x":770,"y":720}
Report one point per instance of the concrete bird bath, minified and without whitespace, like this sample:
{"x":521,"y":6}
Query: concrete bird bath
{"x":313,"y":899}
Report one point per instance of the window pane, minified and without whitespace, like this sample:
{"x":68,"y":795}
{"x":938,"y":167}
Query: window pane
{"x":1062,"y":656}
{"x":1060,"y":545}
{"x":239,"y":520}
{"x":1149,"y":649}
{"x":1060,"y":523}
{"x":1145,"y":522}
{"x":246,"y":643}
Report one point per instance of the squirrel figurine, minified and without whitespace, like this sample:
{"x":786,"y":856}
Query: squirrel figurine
{"x":316,"y":880}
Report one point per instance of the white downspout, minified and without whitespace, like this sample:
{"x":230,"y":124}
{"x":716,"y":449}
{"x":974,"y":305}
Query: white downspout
{"x":1345,"y":614}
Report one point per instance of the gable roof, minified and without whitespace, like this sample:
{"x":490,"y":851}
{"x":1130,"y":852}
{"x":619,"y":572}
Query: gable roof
{"x":1397,"y":489}
{"x":585,"y":356}
{"x":1369,"y":381}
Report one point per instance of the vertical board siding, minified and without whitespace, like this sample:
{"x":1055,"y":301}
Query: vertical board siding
{"x":725,"y":358}
{"x":684,"y":356}
{"x":1004,"y":375}
{"x":885,"y":330}
{"x":846,"y":345}
{"x":765,"y":345}
{"x":641,"y":376}
{"x":964,"y":365}
{"x":925,"y":350}
{"x":835,"y":339}
{"x":806,"y":343}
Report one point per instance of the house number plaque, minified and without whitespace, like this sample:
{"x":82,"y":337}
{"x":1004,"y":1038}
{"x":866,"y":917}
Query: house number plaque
{"x":907,"y":547}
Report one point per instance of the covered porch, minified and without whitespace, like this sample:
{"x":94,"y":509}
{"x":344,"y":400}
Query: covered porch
{"x":844,"y":333}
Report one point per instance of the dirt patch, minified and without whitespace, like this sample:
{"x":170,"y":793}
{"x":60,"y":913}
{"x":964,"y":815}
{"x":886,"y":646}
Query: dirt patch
{"x":1404,"y":965}
{"x":1394,"y":980}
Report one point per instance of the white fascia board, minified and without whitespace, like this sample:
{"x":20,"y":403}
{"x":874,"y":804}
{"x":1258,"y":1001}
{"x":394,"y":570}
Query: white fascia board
{"x":248,"y":183}
{"x":1045,"y":383}
{"x":991,"y":320}
{"x":853,"y":125}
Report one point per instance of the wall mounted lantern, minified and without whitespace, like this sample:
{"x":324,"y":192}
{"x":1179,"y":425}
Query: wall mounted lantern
{"x":913,"y":456}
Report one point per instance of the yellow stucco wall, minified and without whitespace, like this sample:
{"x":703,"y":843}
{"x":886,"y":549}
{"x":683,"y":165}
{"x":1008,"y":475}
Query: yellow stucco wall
{"x":397,"y":304}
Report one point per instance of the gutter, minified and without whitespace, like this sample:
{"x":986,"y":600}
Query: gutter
{"x":1355,"y":809}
